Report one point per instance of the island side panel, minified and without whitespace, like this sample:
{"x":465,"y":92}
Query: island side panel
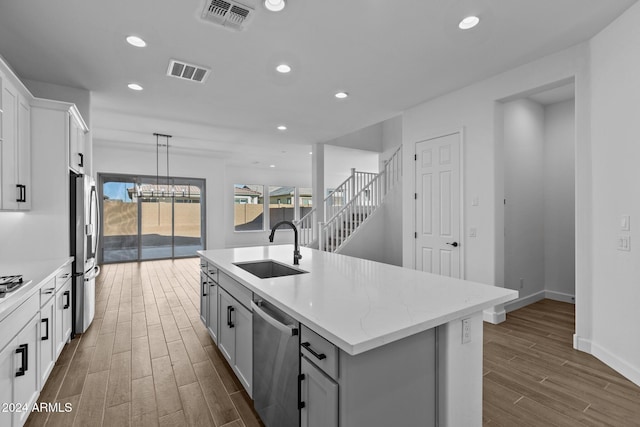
{"x":460,"y":373}
{"x":392,"y":385}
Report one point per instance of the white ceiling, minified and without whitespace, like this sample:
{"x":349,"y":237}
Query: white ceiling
{"x":388,"y":55}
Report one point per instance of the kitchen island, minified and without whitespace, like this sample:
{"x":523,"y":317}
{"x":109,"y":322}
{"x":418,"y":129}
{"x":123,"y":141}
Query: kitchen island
{"x":401,"y":355}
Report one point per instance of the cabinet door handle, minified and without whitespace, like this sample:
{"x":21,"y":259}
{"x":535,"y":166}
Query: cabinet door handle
{"x":81,"y":164}
{"x":46,"y":321}
{"x":22,"y":193}
{"x":230,"y":310}
{"x":301,"y":404}
{"x":23,"y":350}
{"x":319,"y":356}
{"x":204,"y":293}
{"x":68,"y":297}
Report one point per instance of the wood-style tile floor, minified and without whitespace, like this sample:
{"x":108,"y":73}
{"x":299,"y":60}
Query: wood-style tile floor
{"x":147,"y":359}
{"x":533,"y":376}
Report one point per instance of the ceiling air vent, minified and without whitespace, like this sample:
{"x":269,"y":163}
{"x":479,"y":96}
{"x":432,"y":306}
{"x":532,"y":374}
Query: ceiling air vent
{"x":185,"y":71}
{"x":228,"y":13}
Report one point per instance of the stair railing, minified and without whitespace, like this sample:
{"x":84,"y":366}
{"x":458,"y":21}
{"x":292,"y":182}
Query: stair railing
{"x":338,"y":198}
{"x":334,"y":232}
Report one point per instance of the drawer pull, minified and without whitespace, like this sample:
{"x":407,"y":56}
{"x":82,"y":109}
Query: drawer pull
{"x":48,"y":291}
{"x":319,"y":356}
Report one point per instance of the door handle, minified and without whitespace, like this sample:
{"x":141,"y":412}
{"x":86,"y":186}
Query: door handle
{"x":66,"y":294}
{"x":454,"y":244}
{"x":23,"y":350}
{"x":81,"y":164}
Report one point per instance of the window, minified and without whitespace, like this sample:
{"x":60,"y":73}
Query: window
{"x":279,"y":210}
{"x":143,"y":219}
{"x":248,"y":207}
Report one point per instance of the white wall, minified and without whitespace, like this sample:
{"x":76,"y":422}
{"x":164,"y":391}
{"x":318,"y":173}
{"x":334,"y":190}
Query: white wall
{"x":524,"y":194}
{"x":110,"y":157}
{"x":42,"y":232}
{"x":338,"y":162}
{"x":267,"y":177}
{"x":369,"y":138}
{"x":559,"y":203}
{"x":615,"y":88}
{"x":476,"y":110}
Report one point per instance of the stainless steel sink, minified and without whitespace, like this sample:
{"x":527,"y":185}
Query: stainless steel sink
{"x":266,"y":269}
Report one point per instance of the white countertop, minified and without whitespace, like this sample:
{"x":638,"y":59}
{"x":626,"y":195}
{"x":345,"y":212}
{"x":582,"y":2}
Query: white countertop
{"x":37,"y":272}
{"x":359,"y":304}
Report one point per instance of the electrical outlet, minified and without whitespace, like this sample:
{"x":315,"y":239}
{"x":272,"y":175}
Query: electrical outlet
{"x":466,"y":331}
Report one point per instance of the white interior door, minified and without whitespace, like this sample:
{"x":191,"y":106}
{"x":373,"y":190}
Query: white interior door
{"x":437,"y":173}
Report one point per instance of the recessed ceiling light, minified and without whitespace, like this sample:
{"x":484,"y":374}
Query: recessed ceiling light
{"x":134,"y":86}
{"x":310,"y":152}
{"x":274,"y":5}
{"x":341,"y":95}
{"x":468,"y":22}
{"x":282,"y":127}
{"x":136,"y":41}
{"x":283,"y":68}
{"x":272,"y":166}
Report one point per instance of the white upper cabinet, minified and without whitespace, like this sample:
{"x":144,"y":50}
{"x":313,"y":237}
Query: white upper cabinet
{"x":77,"y":135}
{"x":15,"y":148}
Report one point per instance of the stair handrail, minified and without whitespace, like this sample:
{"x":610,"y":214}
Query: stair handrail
{"x":342,"y":221}
{"x":349,"y":185}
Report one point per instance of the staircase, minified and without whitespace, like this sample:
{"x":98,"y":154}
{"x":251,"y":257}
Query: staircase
{"x":349,"y":206}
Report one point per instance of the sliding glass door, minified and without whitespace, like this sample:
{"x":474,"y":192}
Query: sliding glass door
{"x":144,"y":219}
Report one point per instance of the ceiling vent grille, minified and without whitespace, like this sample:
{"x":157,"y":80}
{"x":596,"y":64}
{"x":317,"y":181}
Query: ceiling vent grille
{"x":228,"y":13}
{"x":185,"y":71}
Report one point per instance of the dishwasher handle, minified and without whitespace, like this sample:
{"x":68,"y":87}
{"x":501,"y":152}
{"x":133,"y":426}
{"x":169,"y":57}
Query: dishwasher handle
{"x":257,"y":310}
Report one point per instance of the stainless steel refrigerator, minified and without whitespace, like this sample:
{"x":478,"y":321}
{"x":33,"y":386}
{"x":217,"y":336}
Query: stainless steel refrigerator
{"x":84,"y":226}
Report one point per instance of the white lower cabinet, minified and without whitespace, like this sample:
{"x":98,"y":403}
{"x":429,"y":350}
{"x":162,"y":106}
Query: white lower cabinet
{"x":62,"y":324}
{"x":19,"y":374}
{"x":318,"y":397}
{"x":47,"y":338}
{"x":212,"y":313}
{"x":235,"y":339}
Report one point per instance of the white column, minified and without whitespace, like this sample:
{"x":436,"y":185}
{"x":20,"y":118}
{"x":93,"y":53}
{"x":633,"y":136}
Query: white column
{"x":317,"y":183}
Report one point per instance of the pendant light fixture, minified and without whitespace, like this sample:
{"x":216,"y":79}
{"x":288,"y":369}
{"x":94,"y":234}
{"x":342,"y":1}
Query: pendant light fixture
{"x":170,"y":191}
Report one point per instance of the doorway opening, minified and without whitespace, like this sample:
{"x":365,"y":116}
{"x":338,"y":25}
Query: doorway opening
{"x":538,"y":162}
{"x":143,"y":220}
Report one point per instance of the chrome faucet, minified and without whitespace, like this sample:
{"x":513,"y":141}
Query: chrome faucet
{"x":296,"y":249}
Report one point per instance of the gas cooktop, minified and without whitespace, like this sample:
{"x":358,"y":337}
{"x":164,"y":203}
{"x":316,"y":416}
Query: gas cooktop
{"x":9,"y":284}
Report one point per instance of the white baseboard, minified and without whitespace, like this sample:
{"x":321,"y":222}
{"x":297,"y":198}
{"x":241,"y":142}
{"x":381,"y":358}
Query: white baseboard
{"x":524,"y":301}
{"x":624,"y":368}
{"x":559,"y":296}
{"x":492,"y":316}
{"x":581,"y":344}
{"x":540,"y":295}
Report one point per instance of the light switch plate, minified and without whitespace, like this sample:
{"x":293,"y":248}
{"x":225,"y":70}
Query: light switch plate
{"x":624,"y":243}
{"x":473,"y":232}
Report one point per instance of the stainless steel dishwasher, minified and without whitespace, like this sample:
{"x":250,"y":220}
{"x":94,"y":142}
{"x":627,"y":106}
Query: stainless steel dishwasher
{"x":276,"y":365}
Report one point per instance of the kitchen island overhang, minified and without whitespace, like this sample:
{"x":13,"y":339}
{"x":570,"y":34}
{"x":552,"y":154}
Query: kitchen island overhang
{"x":399,"y":331}
{"x":355,"y":303}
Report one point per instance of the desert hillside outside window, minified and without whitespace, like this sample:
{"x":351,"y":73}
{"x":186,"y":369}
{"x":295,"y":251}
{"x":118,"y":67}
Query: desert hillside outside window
{"x":248,"y":204}
{"x":144,"y":219}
